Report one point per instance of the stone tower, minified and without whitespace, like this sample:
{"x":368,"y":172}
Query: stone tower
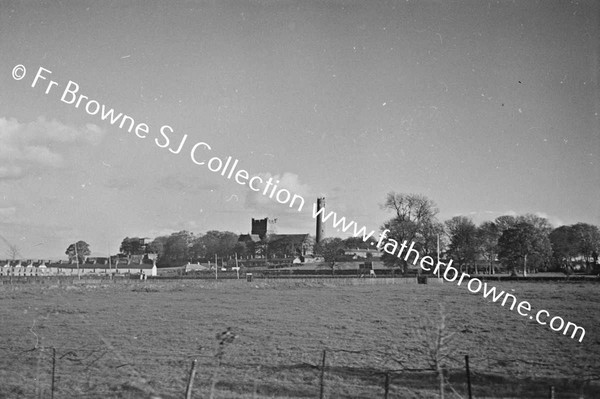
{"x":320,"y":226}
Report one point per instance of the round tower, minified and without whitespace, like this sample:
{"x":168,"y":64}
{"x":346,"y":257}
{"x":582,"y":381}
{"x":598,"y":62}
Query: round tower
{"x":320,"y":226}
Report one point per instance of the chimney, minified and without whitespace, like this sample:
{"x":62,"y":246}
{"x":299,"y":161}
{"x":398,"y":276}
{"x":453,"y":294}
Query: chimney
{"x":320,"y":227}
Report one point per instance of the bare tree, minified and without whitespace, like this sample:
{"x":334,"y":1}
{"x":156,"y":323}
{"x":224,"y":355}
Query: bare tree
{"x":13,"y":251}
{"x":414,"y":220}
{"x":436,"y":345}
{"x":414,"y":208}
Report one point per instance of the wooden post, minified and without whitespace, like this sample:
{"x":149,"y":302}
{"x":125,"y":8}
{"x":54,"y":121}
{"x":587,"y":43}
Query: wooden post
{"x":387,"y":385}
{"x":38,"y":386}
{"x":237,"y":268}
{"x":77,"y":259}
{"x":322,"y":392}
{"x":468,"y":376}
{"x":551,"y":392}
{"x":188,"y":391}
{"x":438,"y":258}
{"x":53,"y":372}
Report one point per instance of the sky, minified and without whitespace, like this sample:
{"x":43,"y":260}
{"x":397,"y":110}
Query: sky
{"x":486,"y":107}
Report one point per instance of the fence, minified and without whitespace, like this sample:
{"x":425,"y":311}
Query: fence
{"x":385,"y":277}
{"x":44,"y":372}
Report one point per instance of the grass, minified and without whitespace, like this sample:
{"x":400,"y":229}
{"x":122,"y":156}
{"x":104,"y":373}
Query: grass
{"x":132,"y":339}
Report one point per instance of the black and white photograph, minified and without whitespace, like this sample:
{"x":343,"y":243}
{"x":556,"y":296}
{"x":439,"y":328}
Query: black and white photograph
{"x":255,"y":199}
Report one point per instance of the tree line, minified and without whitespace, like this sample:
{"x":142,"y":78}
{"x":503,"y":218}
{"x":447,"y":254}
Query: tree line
{"x":525,"y":242}
{"x":184,"y":246}
{"x":520,"y":243}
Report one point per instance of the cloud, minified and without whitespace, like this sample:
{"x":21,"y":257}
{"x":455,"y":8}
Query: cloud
{"x":8,"y":211}
{"x":487,"y":214}
{"x":483,"y":216}
{"x":121,"y":182}
{"x":10,"y":172}
{"x":554,"y":220}
{"x":173,"y":227}
{"x":255,"y":200}
{"x":174,"y":182}
{"x":39,"y":144}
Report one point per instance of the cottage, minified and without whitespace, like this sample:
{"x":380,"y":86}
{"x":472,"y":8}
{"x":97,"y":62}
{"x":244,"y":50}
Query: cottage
{"x":138,"y":264}
{"x":20,"y":268}
{"x":105,"y":266}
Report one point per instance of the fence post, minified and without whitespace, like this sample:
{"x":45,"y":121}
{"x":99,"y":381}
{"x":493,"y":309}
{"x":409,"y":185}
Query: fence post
{"x":188,"y":391}
{"x":322,"y":392}
{"x":53,"y":372}
{"x":387,"y":385}
{"x":468,"y":376}
{"x":551,"y":392}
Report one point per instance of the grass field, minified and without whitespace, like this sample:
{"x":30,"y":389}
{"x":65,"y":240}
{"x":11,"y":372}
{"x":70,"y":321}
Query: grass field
{"x":132,"y":339}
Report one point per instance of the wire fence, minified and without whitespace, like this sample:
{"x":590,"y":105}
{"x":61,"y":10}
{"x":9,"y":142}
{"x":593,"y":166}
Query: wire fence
{"x":99,"y":372}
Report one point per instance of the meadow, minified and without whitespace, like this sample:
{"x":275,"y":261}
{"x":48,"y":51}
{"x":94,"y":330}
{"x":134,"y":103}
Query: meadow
{"x":137,"y":339}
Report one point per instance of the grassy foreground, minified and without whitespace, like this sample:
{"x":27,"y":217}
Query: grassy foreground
{"x":132,"y":339}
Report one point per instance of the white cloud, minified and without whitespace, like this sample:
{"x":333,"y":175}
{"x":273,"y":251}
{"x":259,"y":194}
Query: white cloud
{"x":41,"y":155}
{"x":10,"y":172}
{"x":255,"y":200}
{"x":483,"y":216}
{"x":554,"y":221}
{"x":8,"y":211}
{"x":38,"y":144}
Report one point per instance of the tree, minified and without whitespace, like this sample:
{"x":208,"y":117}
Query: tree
{"x":587,"y":237}
{"x":198,"y":248}
{"x":78,"y":252}
{"x":184,"y":246}
{"x":414,"y":220}
{"x":564,"y":246}
{"x":259,"y":249}
{"x":436,"y":345}
{"x":157,"y":246}
{"x":177,"y":247}
{"x":505,"y":222}
{"x":541,"y":230}
{"x":543,"y":254}
{"x":463,"y":244}
{"x":240,"y":249}
{"x":578,"y":240}
{"x":132,"y":246}
{"x":521,"y":242}
{"x":540,"y":223}
{"x":358,"y":243}
{"x":13,"y":252}
{"x":432,"y":232}
{"x":220,"y":243}
{"x":332,"y":250}
{"x":488,"y":234}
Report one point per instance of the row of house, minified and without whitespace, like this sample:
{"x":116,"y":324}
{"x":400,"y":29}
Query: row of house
{"x":135,"y":264}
